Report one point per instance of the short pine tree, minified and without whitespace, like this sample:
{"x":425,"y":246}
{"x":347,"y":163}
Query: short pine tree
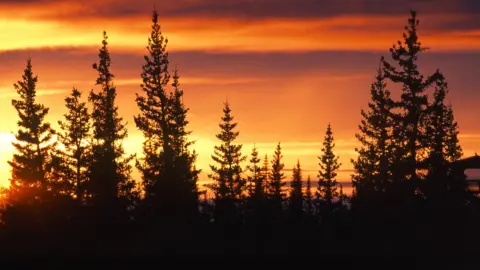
{"x":227,"y":172}
{"x":276,"y":181}
{"x":255,"y":179}
{"x":265,"y":174}
{"x":296,"y":193}
{"x":308,"y":197}
{"x":73,"y":161}
{"x":327,"y":175}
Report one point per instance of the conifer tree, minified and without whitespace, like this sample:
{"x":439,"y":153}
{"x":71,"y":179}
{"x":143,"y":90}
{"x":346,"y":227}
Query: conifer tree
{"x":30,"y":175}
{"x":309,"y":196}
{"x":411,"y":132}
{"x":72,"y":162}
{"x":184,"y":169}
{"x":110,"y":169}
{"x":177,"y":118}
{"x":296,"y":193}
{"x":442,"y":139}
{"x":265,"y":174}
{"x":341,"y":195}
{"x":442,"y":128}
{"x":255,"y":179}
{"x":157,"y":164}
{"x":453,"y":151}
{"x":437,"y":128}
{"x":227,"y":172}
{"x":276,"y":184}
{"x":168,"y":170}
{"x":372,"y":166}
{"x":327,"y":182}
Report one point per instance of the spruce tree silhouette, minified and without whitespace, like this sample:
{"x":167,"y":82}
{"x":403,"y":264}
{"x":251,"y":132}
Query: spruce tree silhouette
{"x":276,"y":183}
{"x":168,"y":166}
{"x":156,"y":167}
{"x":443,"y":186}
{"x":31,"y":210}
{"x":265,"y":174}
{"x":372,"y":168}
{"x":71,"y":163}
{"x":309,"y":197}
{"x":111,"y":187}
{"x":30,"y":175}
{"x":184,"y":169}
{"x":327,"y":175}
{"x":410,"y":132}
{"x":255,"y":181}
{"x":229,"y":184}
{"x":296,"y":193}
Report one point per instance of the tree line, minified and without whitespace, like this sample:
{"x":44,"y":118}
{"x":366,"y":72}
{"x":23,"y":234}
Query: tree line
{"x":73,"y":185}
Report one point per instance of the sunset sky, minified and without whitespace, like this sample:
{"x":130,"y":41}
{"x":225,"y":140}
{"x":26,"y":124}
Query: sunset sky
{"x":287,"y":67}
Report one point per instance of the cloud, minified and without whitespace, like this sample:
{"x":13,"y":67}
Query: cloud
{"x":200,"y":81}
{"x":249,"y":9}
{"x":469,"y":136}
{"x":233,"y":33}
{"x":10,"y":92}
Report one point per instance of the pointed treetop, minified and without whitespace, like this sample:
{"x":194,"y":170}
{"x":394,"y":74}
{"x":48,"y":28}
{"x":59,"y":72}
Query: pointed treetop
{"x":155,"y":14}
{"x":176,"y":78}
{"x":380,"y":70}
{"x":226,"y":108}
{"x":413,"y":13}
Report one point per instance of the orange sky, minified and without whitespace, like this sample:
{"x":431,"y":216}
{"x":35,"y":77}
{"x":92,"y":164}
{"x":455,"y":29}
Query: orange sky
{"x":288,"y":67}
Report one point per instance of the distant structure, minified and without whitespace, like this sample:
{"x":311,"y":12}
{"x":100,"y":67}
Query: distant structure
{"x":470,"y":163}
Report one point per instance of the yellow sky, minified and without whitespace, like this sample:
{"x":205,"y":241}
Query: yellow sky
{"x":286,"y":78}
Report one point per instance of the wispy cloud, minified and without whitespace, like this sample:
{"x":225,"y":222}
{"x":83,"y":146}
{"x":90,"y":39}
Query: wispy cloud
{"x":217,"y":34}
{"x":186,"y":80}
{"x":469,"y":136}
{"x":11,"y":93}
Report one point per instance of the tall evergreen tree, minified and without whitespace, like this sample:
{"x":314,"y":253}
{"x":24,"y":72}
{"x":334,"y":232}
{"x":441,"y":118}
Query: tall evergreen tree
{"x":327,"y":175}
{"x":372,"y":168}
{"x":276,"y":184}
{"x":167,"y":167}
{"x":153,"y":120}
{"x":110,"y":182}
{"x":73,"y":161}
{"x":226,"y":173}
{"x":411,"y":132}
{"x":255,"y":179}
{"x":296,"y":193}
{"x":30,"y":176}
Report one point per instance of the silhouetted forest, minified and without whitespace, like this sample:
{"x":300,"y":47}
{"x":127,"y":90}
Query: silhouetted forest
{"x":71,"y":190}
